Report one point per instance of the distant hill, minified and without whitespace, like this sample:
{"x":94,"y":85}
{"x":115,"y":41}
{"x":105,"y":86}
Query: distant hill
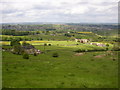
{"x":67,"y":26}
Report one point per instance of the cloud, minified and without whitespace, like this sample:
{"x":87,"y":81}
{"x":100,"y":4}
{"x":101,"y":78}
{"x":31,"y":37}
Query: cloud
{"x":59,"y":11}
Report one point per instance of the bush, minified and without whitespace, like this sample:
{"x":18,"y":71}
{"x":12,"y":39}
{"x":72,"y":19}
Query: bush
{"x":55,"y":55}
{"x":25,"y":56}
{"x":41,"y":39}
{"x":106,"y":48}
{"x":116,"y":48}
{"x":107,"y":45}
{"x":14,"y":42}
{"x":18,"y":49}
{"x":49,"y":44}
{"x":79,"y":50}
{"x":25,"y":43}
{"x":45,"y":44}
{"x":35,"y":54}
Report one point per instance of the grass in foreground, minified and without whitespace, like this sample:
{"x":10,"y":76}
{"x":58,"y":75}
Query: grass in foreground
{"x":65,"y":71}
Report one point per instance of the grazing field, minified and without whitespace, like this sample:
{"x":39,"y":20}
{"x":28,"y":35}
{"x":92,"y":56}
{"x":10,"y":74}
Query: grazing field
{"x":68,"y":70}
{"x":69,"y":44}
{"x":59,"y":55}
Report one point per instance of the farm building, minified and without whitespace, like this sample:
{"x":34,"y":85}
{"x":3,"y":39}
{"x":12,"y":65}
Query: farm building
{"x":98,"y":44}
{"x":82,"y":40}
{"x":85,"y":32}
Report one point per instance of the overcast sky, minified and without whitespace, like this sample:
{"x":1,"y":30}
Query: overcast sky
{"x":72,"y":11}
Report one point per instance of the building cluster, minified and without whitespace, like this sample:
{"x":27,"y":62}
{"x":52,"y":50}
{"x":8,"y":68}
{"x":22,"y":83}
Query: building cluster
{"x":87,"y":41}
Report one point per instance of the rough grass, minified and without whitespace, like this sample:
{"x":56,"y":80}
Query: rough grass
{"x":65,"y":71}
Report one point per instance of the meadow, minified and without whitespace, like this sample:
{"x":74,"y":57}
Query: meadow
{"x":66,"y":71}
{"x":77,"y":65}
{"x":70,"y":44}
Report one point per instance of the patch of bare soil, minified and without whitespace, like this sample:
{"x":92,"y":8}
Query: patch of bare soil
{"x":79,"y":54}
{"x":100,"y":56}
{"x":109,"y":51}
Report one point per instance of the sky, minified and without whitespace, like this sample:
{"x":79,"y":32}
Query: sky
{"x":69,"y":11}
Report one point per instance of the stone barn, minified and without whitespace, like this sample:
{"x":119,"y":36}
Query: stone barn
{"x":98,"y":44}
{"x":82,"y":40}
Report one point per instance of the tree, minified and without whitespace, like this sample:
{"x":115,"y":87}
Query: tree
{"x":80,"y":50}
{"x":41,"y":39}
{"x":14,"y":42}
{"x":116,"y":47}
{"x":68,"y":35}
{"x":107,"y":46}
{"x":35,"y":54}
{"x":49,"y":44}
{"x":44,"y":46}
{"x":37,"y":32}
{"x":18,"y":49}
{"x":25,"y":43}
{"x":25,"y":56}
{"x":55,"y":55}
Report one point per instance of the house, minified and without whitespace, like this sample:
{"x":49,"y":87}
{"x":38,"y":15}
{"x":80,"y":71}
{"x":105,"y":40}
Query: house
{"x":82,"y":40}
{"x":98,"y":44}
{"x":101,"y":45}
{"x":93,"y":44}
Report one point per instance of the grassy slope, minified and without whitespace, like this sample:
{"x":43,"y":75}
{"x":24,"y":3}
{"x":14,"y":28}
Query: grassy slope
{"x":66,"y":71}
{"x":39,"y":36}
{"x":70,"y":44}
{"x":56,"y":37}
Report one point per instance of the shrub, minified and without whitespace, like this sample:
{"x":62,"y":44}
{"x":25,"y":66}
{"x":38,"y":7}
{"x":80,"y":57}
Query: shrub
{"x":35,"y":54}
{"x":49,"y":44}
{"x":45,"y":44}
{"x":25,"y":56}
{"x":55,"y":55}
{"x":107,"y":45}
{"x":116,"y":48}
{"x":18,"y":49}
{"x":106,"y":48}
{"x":14,"y":42}
{"x":79,"y":50}
{"x":25,"y":43}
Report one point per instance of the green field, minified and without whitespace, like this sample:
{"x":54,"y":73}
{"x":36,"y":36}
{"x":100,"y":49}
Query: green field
{"x":66,"y":71}
{"x":68,"y":44}
{"x":78,"y":65}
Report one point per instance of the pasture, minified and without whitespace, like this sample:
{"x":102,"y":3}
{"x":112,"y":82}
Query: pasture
{"x":53,"y":59}
{"x":68,"y":44}
{"x":66,"y":71}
